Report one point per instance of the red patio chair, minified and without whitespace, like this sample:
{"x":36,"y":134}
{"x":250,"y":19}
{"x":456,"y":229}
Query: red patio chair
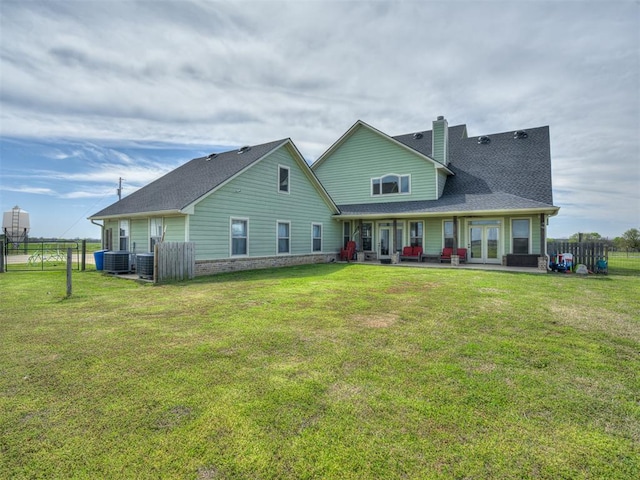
{"x":349,"y":251}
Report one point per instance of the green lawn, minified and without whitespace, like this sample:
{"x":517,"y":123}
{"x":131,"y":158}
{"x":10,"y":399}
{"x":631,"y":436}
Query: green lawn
{"x":327,"y":371}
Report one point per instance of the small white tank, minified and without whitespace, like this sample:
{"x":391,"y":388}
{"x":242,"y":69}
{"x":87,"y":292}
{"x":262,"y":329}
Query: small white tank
{"x":15,"y":224}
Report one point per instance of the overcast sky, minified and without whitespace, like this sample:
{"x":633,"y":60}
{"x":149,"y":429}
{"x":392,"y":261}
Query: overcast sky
{"x":91,"y":91}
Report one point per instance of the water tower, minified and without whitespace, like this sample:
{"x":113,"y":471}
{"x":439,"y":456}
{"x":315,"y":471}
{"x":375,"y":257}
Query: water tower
{"x":15,"y":225}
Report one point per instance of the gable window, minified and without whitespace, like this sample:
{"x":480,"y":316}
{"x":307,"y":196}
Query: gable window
{"x":367,"y":237}
{"x":284,"y":237}
{"x":448,"y":234}
{"x":155,"y":232}
{"x":283,"y":179}
{"x":415,"y":234}
{"x":520,"y":233}
{"x":316,"y":234}
{"x":239,"y":236}
{"x":124,"y":235}
{"x":390,"y":184}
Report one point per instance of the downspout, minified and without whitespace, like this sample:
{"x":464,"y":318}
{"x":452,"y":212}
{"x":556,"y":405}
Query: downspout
{"x":543,"y":240}
{"x":101,"y":232}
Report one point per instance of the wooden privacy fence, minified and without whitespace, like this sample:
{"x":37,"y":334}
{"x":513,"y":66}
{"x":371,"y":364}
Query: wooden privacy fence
{"x":174,"y":261}
{"x":587,"y":253}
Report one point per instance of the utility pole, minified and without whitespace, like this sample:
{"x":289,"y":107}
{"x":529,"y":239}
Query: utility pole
{"x":120,"y":188}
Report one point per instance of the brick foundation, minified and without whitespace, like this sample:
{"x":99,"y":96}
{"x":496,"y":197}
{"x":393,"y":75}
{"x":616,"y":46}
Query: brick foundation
{"x":212,"y":267}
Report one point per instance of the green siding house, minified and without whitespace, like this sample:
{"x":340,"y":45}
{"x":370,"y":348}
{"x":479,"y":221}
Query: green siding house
{"x":255,"y":207}
{"x":486,"y":198}
{"x":489,"y":195}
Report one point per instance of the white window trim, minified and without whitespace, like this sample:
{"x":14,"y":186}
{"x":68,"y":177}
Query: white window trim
{"x":127,"y":236}
{"x":530,"y":233}
{"x":389,"y":194}
{"x":443,"y":231}
{"x":151,"y":237}
{"x":288,"y":169}
{"x":313,"y":224}
{"x":409,"y":237}
{"x":278,"y":222}
{"x":231,"y":254}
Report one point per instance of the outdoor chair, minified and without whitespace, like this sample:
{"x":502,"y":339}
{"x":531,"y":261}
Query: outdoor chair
{"x":602,"y":266}
{"x":349,"y":251}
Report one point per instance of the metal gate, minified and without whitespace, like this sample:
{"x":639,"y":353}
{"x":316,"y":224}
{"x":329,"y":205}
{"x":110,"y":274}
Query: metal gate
{"x":40,"y":255}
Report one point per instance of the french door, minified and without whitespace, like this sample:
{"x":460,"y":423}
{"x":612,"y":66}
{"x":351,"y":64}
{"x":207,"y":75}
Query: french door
{"x":384,"y":234}
{"x":485,"y":244}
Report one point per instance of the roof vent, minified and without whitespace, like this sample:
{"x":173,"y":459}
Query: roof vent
{"x":484,"y":140}
{"x":520,"y":134}
{"x":211,"y":156}
{"x":244,"y":149}
{"x":417,"y":135}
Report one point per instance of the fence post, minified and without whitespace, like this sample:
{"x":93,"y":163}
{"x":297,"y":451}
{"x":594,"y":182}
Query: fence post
{"x":2,"y":249}
{"x":156,"y":251}
{"x":84,"y":254}
{"x":69,"y":257}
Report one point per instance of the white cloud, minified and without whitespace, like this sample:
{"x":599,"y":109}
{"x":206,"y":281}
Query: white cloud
{"x":234,"y":73}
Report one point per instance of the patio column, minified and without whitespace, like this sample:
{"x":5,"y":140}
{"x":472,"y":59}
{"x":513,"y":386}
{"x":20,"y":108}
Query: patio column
{"x":455,"y":235}
{"x":394,"y":247}
{"x":542,"y":258}
{"x":543,"y":239}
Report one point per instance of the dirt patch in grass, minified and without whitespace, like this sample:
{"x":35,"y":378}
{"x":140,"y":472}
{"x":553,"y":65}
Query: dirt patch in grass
{"x":383,"y":320}
{"x":600,"y":319}
{"x":173,"y":417}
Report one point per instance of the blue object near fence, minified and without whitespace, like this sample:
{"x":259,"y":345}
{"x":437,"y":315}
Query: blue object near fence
{"x":98,"y":255}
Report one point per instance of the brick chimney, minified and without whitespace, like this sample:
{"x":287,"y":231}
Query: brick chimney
{"x":440,"y":143}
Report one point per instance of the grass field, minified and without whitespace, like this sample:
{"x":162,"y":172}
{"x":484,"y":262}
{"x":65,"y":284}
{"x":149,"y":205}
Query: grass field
{"x":327,"y":371}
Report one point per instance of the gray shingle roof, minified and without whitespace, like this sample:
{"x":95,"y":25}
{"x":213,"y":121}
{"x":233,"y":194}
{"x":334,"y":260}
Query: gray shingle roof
{"x":187,"y":183}
{"x":461,"y":203}
{"x":507,"y":173}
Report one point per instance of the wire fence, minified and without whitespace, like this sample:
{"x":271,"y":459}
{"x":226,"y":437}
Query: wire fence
{"x":624,"y":263}
{"x":41,"y":255}
{"x":619,"y":262}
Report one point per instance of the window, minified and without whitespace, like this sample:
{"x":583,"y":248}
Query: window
{"x":415,"y":234}
{"x":346,"y":234}
{"x":239,"y":236}
{"x":448,"y":234}
{"x":316,"y":234}
{"x":155,"y":232}
{"x":283,"y":237}
{"x":520,"y":235}
{"x":390,"y":184}
{"x":283,"y":179}
{"x":367,"y":237}
{"x":124,"y":235}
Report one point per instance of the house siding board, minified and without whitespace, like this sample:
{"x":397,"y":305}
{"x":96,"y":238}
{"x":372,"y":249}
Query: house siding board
{"x":433,"y":235}
{"x":254,"y":196}
{"x":139,"y":235}
{"x":438,"y":141}
{"x":347,"y":173}
{"x":442,"y":181}
{"x":174,"y":228}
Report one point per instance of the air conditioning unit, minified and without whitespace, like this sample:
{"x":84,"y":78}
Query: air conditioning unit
{"x":117,"y":262}
{"x":144,"y":265}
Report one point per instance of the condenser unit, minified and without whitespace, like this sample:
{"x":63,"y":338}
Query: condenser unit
{"x":117,"y":262}
{"x":144,"y":265}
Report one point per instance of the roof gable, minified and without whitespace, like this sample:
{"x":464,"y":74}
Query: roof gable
{"x":360,"y":124}
{"x":183,"y":187}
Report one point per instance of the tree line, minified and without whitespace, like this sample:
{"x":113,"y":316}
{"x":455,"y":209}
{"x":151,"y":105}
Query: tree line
{"x":628,"y":241}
